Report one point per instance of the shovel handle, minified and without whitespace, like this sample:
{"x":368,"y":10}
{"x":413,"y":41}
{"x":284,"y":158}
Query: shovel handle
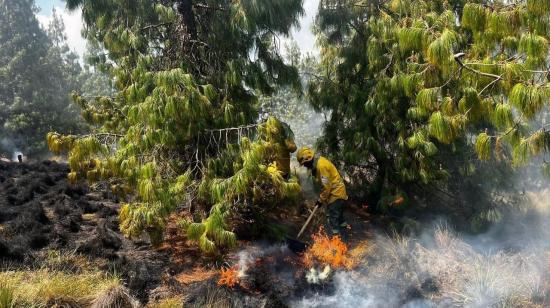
{"x":307,"y":221}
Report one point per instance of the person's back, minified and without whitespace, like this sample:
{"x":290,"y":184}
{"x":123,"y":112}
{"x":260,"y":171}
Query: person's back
{"x":333,"y":187}
{"x":285,"y":148}
{"x":283,"y":138}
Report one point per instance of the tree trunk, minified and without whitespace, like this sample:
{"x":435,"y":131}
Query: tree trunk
{"x":185,"y":8}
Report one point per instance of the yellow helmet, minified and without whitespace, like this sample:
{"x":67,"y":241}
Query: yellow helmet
{"x":304,"y":155}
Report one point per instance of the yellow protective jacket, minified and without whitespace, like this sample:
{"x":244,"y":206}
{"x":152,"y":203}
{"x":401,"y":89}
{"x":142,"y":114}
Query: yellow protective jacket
{"x":283,"y":155}
{"x":284,"y":149}
{"x":332,"y":184}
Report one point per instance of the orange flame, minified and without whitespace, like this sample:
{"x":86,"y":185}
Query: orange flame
{"x":329,"y":251}
{"x":229,"y":277}
{"x":398,"y":201}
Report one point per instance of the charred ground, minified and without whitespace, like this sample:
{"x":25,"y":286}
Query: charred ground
{"x":41,"y":212}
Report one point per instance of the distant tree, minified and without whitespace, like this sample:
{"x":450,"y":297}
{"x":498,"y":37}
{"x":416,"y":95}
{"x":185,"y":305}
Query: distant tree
{"x":291,"y":106}
{"x":37,"y":74}
{"x":417,"y":89}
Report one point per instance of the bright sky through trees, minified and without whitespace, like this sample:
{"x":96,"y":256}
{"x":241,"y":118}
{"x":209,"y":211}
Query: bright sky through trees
{"x":73,"y":23}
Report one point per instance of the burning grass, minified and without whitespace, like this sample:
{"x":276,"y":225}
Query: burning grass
{"x":229,"y":277}
{"x":197,"y":274}
{"x":440,"y":270}
{"x":327,"y":250}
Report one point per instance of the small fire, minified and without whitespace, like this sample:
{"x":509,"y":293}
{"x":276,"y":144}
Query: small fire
{"x":398,"y":201}
{"x":327,"y":250}
{"x":229,"y":277}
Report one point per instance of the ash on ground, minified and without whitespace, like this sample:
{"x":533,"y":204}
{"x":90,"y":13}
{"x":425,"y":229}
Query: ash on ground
{"x":40,"y":212}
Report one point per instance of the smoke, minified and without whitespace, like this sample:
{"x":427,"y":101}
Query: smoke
{"x":315,"y":276}
{"x":8,"y":146}
{"x":306,"y":181}
{"x":506,"y":266}
{"x":246,"y":257}
{"x":16,"y":154}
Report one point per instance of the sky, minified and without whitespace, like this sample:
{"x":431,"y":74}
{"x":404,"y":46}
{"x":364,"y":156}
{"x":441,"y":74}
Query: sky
{"x":73,"y":25}
{"x":303,"y":36}
{"x":72,"y":20}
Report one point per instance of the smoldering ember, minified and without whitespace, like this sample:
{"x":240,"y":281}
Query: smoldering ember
{"x":258,"y":153}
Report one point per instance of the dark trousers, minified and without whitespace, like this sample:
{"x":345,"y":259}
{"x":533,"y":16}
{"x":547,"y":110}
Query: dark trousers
{"x":335,"y":217}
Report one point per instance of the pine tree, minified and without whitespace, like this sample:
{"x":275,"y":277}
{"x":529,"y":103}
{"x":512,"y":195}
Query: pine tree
{"x":186,"y":74}
{"x":410,"y":83}
{"x":291,"y":106}
{"x":37,"y":71}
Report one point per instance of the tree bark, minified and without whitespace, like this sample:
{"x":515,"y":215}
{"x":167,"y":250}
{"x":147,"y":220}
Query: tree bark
{"x":185,"y":8}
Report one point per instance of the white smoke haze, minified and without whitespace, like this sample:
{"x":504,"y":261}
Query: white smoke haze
{"x":506,"y":267}
{"x":7,"y":145}
{"x":306,"y":181}
{"x":15,"y":155}
{"x":246,"y":257}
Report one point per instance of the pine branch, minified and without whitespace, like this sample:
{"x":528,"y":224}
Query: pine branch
{"x":232,"y":128}
{"x":208,"y":7}
{"x":497,"y":77}
{"x":156,"y":26}
{"x":490,"y":84}
{"x":101,"y":135}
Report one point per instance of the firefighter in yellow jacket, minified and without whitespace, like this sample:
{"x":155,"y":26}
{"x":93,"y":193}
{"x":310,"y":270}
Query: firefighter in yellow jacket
{"x":333,"y":190}
{"x":285,"y":145}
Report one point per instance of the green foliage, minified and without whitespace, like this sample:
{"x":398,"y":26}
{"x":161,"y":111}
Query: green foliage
{"x":441,"y":49}
{"x":529,"y":99}
{"x":474,"y":17}
{"x":211,"y":234}
{"x":503,"y":116}
{"x":440,"y":127}
{"x":411,"y":39}
{"x":408,"y":87}
{"x":535,"y":47}
{"x":255,"y":186}
{"x":483,"y":146}
{"x":185,"y":78}
{"x":538,"y":7}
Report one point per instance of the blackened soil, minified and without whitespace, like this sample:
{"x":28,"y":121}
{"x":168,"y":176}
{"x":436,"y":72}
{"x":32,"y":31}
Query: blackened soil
{"x":40,"y":210}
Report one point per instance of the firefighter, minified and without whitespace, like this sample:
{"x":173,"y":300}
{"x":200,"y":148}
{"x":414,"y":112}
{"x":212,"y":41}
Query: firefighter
{"x":285,"y":146}
{"x":333,"y":191}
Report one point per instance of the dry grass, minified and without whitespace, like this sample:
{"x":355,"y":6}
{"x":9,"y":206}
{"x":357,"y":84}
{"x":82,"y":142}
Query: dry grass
{"x":173,"y":302}
{"x":65,"y":262}
{"x":7,"y":297}
{"x":63,"y":279}
{"x":460,"y":274}
{"x":198,"y":274}
{"x":44,"y":287}
{"x":214,"y":297}
{"x":115,"y":297}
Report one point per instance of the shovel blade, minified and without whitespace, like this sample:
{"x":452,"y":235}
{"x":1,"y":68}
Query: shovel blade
{"x":295,"y":245}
